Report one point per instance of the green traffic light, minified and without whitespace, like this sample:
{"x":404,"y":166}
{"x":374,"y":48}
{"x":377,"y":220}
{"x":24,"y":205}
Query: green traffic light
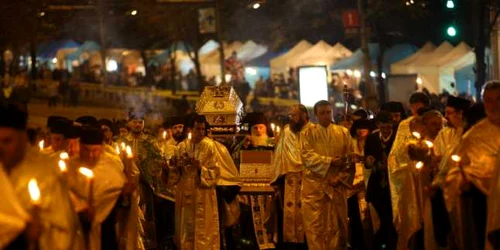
{"x":450,"y":4}
{"x":451,"y":31}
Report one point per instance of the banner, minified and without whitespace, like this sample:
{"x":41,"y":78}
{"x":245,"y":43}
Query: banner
{"x":206,"y":21}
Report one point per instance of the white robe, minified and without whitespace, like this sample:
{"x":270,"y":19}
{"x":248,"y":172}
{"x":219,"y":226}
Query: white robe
{"x":60,"y":226}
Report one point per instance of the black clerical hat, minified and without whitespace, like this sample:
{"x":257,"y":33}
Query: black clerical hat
{"x":61,"y":126}
{"x":174,"y":120}
{"x":255,"y":118}
{"x":13,"y":117}
{"x":87,"y":120}
{"x":458,"y":103}
{"x":53,"y":118}
{"x":393,"y":107}
{"x":73,"y":132}
{"x":106,"y":122}
{"x":91,"y":136}
{"x":361,"y":124}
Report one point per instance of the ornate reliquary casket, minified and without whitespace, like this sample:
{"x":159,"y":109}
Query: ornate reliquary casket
{"x":256,"y":170}
{"x":223,"y":109}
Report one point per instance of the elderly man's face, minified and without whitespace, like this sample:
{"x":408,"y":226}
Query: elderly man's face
{"x":90,"y":154}
{"x":259,"y":130}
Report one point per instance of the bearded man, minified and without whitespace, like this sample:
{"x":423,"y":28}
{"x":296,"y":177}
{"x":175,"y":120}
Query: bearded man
{"x":287,"y":179}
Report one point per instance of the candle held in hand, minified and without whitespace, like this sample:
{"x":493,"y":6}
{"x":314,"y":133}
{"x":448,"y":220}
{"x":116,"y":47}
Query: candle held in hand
{"x":417,"y":135}
{"x":34,"y":192}
{"x":429,"y":144}
{"x":128,"y":150}
{"x":64,"y":156}
{"x":273,"y":127}
{"x":164,"y":135}
{"x":189,"y":136}
{"x":419,"y":165}
{"x":117,"y":150}
{"x":41,"y":144}
{"x":62,"y":166}
{"x":86,"y":172}
{"x":456,"y":158}
{"x":278,"y":130}
{"x":123,"y":145}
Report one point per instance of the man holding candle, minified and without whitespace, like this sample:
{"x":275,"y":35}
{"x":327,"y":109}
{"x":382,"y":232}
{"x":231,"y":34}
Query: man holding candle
{"x":328,"y":158}
{"x":58,"y":130}
{"x":149,"y":160}
{"x":468,"y":185}
{"x":399,"y":167}
{"x":104,"y":191}
{"x":287,"y":178}
{"x":195,"y":171}
{"x":47,"y":222}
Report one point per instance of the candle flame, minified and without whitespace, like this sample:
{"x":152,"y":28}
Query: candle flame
{"x":123,"y":145}
{"x":128,"y":149}
{"x":64,"y":156}
{"x":429,"y":144}
{"x":34,"y":191}
{"x":278,"y":129}
{"x":62,"y":166}
{"x":117,"y":149}
{"x":419,"y":165}
{"x":41,"y":144}
{"x":189,"y":136}
{"x":416,"y":135}
{"x":273,"y":127}
{"x":164,"y":134}
{"x":456,"y":158}
{"x":86,"y":172}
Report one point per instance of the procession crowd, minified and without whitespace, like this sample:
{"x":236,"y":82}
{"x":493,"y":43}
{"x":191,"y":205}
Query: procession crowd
{"x":362,"y":181}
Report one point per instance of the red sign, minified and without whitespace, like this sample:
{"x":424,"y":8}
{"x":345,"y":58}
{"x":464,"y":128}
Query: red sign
{"x":350,"y":18}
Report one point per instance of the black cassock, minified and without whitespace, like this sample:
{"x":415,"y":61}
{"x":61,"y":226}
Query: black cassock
{"x":377,"y":192}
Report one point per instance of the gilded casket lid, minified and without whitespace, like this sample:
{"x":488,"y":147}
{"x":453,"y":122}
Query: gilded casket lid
{"x":220,"y":100}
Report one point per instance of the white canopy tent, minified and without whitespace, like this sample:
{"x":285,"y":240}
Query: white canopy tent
{"x":400,"y":67}
{"x":433,"y":78}
{"x":281,"y":63}
{"x":250,"y":50}
{"x":313,"y":56}
{"x":210,"y":63}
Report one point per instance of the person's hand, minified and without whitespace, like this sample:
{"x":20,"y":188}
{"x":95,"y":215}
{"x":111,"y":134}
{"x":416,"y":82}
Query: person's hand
{"x":370,"y":161}
{"x":247,"y":141}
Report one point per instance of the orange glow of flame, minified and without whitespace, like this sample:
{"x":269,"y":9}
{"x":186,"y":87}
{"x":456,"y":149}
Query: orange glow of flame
{"x":86,"y":172}
{"x":41,"y":144}
{"x":278,"y":129}
{"x":419,"y":165}
{"x":416,"y":135}
{"x":62,"y":166}
{"x":429,"y":144}
{"x":128,"y":149}
{"x":189,"y":136}
{"x":164,"y":134}
{"x":273,"y":127}
{"x":456,"y":158}
{"x":34,"y":191}
{"x":123,"y":145}
{"x":64,"y":156}
{"x":117,"y":149}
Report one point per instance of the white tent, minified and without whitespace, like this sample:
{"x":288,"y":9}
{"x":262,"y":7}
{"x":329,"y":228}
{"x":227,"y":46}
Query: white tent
{"x":400,"y":67}
{"x":250,"y":50}
{"x":433,"y":78}
{"x":313,"y":56}
{"x":280,"y":64}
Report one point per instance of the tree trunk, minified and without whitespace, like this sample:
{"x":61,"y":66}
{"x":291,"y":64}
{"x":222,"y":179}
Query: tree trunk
{"x":149,"y":74}
{"x":380,"y":70}
{"x":480,"y":47}
{"x":33,"y":71}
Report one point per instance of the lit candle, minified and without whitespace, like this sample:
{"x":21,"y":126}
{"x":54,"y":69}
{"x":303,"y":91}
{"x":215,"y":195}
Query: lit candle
{"x":117,"y":150}
{"x":64,"y":156}
{"x":34,"y":192}
{"x":128,"y":161}
{"x":419,"y":165}
{"x":278,"y":130}
{"x":429,"y":144}
{"x":123,"y":145}
{"x":417,"y":135}
{"x":35,"y":195}
{"x":189,"y":136}
{"x":192,"y":144}
{"x":89,"y":174}
{"x":62,"y":166}
{"x":457,"y":160}
{"x":164,"y":135}
{"x":128,"y":151}
{"x":41,"y":145}
{"x":273,"y":127}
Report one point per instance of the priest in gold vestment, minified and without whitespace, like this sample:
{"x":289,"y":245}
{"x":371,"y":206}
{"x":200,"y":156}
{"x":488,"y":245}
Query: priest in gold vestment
{"x":404,"y":207}
{"x":325,"y":181}
{"x":53,"y":224}
{"x":471,"y":177}
{"x":196,"y":173}
{"x":287,"y":169}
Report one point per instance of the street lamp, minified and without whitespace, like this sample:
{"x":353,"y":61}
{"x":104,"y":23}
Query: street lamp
{"x":452,"y":32}
{"x":133,"y":12}
{"x":450,"y":4}
{"x":256,"y":6}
